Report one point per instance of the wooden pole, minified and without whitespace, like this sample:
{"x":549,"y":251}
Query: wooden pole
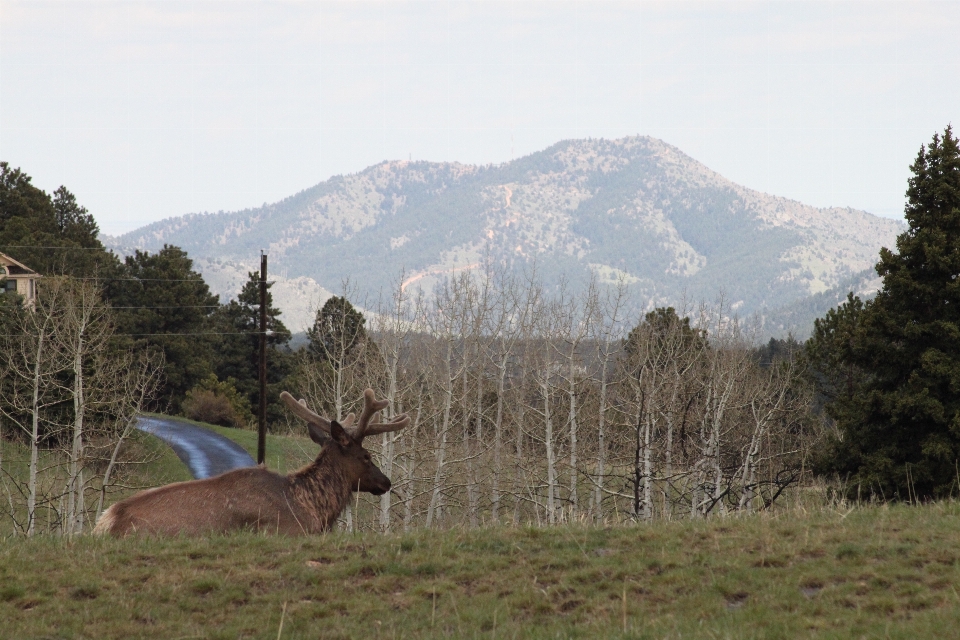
{"x":262,"y":410}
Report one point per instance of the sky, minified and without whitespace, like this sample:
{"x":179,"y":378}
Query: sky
{"x":147,"y":110}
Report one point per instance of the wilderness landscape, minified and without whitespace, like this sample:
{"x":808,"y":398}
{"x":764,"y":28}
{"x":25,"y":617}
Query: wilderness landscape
{"x":557,"y":320}
{"x":531,"y":408}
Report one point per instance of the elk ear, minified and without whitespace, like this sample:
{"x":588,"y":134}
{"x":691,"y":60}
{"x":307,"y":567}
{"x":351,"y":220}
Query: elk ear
{"x":339,"y":435}
{"x":317,"y":434}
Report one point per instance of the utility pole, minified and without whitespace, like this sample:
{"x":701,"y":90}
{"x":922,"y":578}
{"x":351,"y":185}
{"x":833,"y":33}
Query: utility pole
{"x":262,"y":412}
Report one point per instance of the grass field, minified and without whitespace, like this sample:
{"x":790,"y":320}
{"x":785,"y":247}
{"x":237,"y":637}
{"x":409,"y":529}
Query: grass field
{"x":284,"y":453}
{"x":869,"y":572}
{"x":149,"y":462}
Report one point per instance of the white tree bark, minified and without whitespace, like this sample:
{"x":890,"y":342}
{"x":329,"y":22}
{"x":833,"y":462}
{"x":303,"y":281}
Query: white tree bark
{"x":548,"y":440}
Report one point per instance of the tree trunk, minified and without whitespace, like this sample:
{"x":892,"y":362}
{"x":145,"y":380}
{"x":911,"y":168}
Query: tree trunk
{"x":411,"y":464}
{"x":388,"y":441}
{"x":648,"y":466}
{"x":75,"y":503}
{"x":34,"y":437}
{"x":465,"y":413}
{"x":551,"y":456}
{"x":434,"y":510}
{"x":572,"y":391}
{"x":498,"y":441}
{"x":386,"y":465}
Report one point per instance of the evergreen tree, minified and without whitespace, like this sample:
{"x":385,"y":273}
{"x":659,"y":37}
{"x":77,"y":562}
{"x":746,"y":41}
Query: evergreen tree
{"x":337,"y":333}
{"x":893,"y":385}
{"x":661,"y":325}
{"x":777,"y":351}
{"x":238,"y":350}
{"x":74,"y":222}
{"x":163,"y":303}
{"x":52,"y":236}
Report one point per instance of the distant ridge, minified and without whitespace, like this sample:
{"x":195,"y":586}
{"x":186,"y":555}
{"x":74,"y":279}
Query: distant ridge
{"x":635,"y":208}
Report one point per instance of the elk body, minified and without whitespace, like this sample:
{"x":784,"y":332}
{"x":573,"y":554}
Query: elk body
{"x":303,"y":502}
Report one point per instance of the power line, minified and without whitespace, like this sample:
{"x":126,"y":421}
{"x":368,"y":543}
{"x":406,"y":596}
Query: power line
{"x":30,"y":246}
{"x":198,"y":279}
{"x":34,"y":246}
{"x":211,"y":333}
{"x":199,"y":306}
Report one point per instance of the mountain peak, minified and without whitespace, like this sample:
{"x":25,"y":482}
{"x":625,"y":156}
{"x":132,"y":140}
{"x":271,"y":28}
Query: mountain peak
{"x":633,"y":208}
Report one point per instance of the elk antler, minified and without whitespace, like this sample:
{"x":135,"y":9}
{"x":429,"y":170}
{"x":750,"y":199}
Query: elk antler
{"x":370,"y":408}
{"x":321,"y":430}
{"x":300,"y":410}
{"x":318,"y":425}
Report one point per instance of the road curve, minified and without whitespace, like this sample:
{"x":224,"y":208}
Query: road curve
{"x":205,"y":452}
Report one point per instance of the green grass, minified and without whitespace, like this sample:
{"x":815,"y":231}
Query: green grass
{"x":145,"y":461}
{"x":284,"y":453}
{"x":162,"y":465}
{"x":156,"y":463}
{"x":871,"y":572}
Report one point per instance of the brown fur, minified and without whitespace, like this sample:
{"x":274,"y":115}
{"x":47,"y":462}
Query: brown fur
{"x":303,"y":502}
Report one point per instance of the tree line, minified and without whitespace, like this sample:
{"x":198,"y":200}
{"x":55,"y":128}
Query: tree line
{"x":536,"y":405}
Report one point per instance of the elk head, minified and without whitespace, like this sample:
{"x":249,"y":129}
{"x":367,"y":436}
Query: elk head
{"x":346,"y":440}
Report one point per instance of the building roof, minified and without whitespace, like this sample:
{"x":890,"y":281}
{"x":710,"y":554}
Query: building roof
{"x":15,"y":268}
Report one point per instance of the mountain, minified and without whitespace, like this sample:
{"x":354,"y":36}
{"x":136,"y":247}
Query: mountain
{"x":635,"y":208}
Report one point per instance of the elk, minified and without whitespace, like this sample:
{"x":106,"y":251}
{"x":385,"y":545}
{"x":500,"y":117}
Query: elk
{"x":303,"y":502}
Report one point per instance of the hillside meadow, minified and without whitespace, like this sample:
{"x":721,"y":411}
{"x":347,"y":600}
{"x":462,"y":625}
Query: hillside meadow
{"x":887,"y":571}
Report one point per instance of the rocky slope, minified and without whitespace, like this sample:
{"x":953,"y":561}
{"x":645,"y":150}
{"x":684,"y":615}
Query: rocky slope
{"x":635,"y":209}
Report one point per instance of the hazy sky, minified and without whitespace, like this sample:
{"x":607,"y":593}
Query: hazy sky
{"x":153,"y":109}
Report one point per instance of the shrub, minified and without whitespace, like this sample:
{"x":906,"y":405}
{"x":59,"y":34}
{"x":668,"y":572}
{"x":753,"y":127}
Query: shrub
{"x":219,"y":403}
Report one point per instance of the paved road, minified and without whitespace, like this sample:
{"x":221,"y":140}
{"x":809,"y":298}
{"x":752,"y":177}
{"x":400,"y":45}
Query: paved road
{"x":205,"y":452}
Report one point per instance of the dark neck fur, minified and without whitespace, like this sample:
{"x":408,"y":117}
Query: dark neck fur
{"x":322,"y":487}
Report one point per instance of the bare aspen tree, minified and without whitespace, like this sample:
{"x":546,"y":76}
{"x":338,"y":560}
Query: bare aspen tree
{"x":506,"y":323}
{"x":519,"y":431}
{"x":41,"y":374}
{"x":392,"y":326}
{"x":338,"y":363}
{"x":576,"y":315}
{"x":765,"y":401}
{"x":444,"y":323}
{"x":546,"y":369}
{"x":475,"y":317}
{"x":411,"y":463}
{"x":35,"y":362}
{"x":524,"y":395}
{"x":676,"y":352}
{"x":83,"y":332}
{"x":466,"y":342}
{"x":136,"y":380}
{"x":606,"y":332}
{"x":728,"y":363}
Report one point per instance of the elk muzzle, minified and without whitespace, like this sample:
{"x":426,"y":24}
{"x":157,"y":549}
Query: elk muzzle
{"x":375,"y":482}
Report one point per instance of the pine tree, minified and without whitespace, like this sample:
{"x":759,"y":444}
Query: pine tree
{"x":898,"y":423}
{"x":338,"y":332}
{"x":74,"y":222}
{"x":164,"y":304}
{"x":52,"y":236}
{"x":238,"y":352}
